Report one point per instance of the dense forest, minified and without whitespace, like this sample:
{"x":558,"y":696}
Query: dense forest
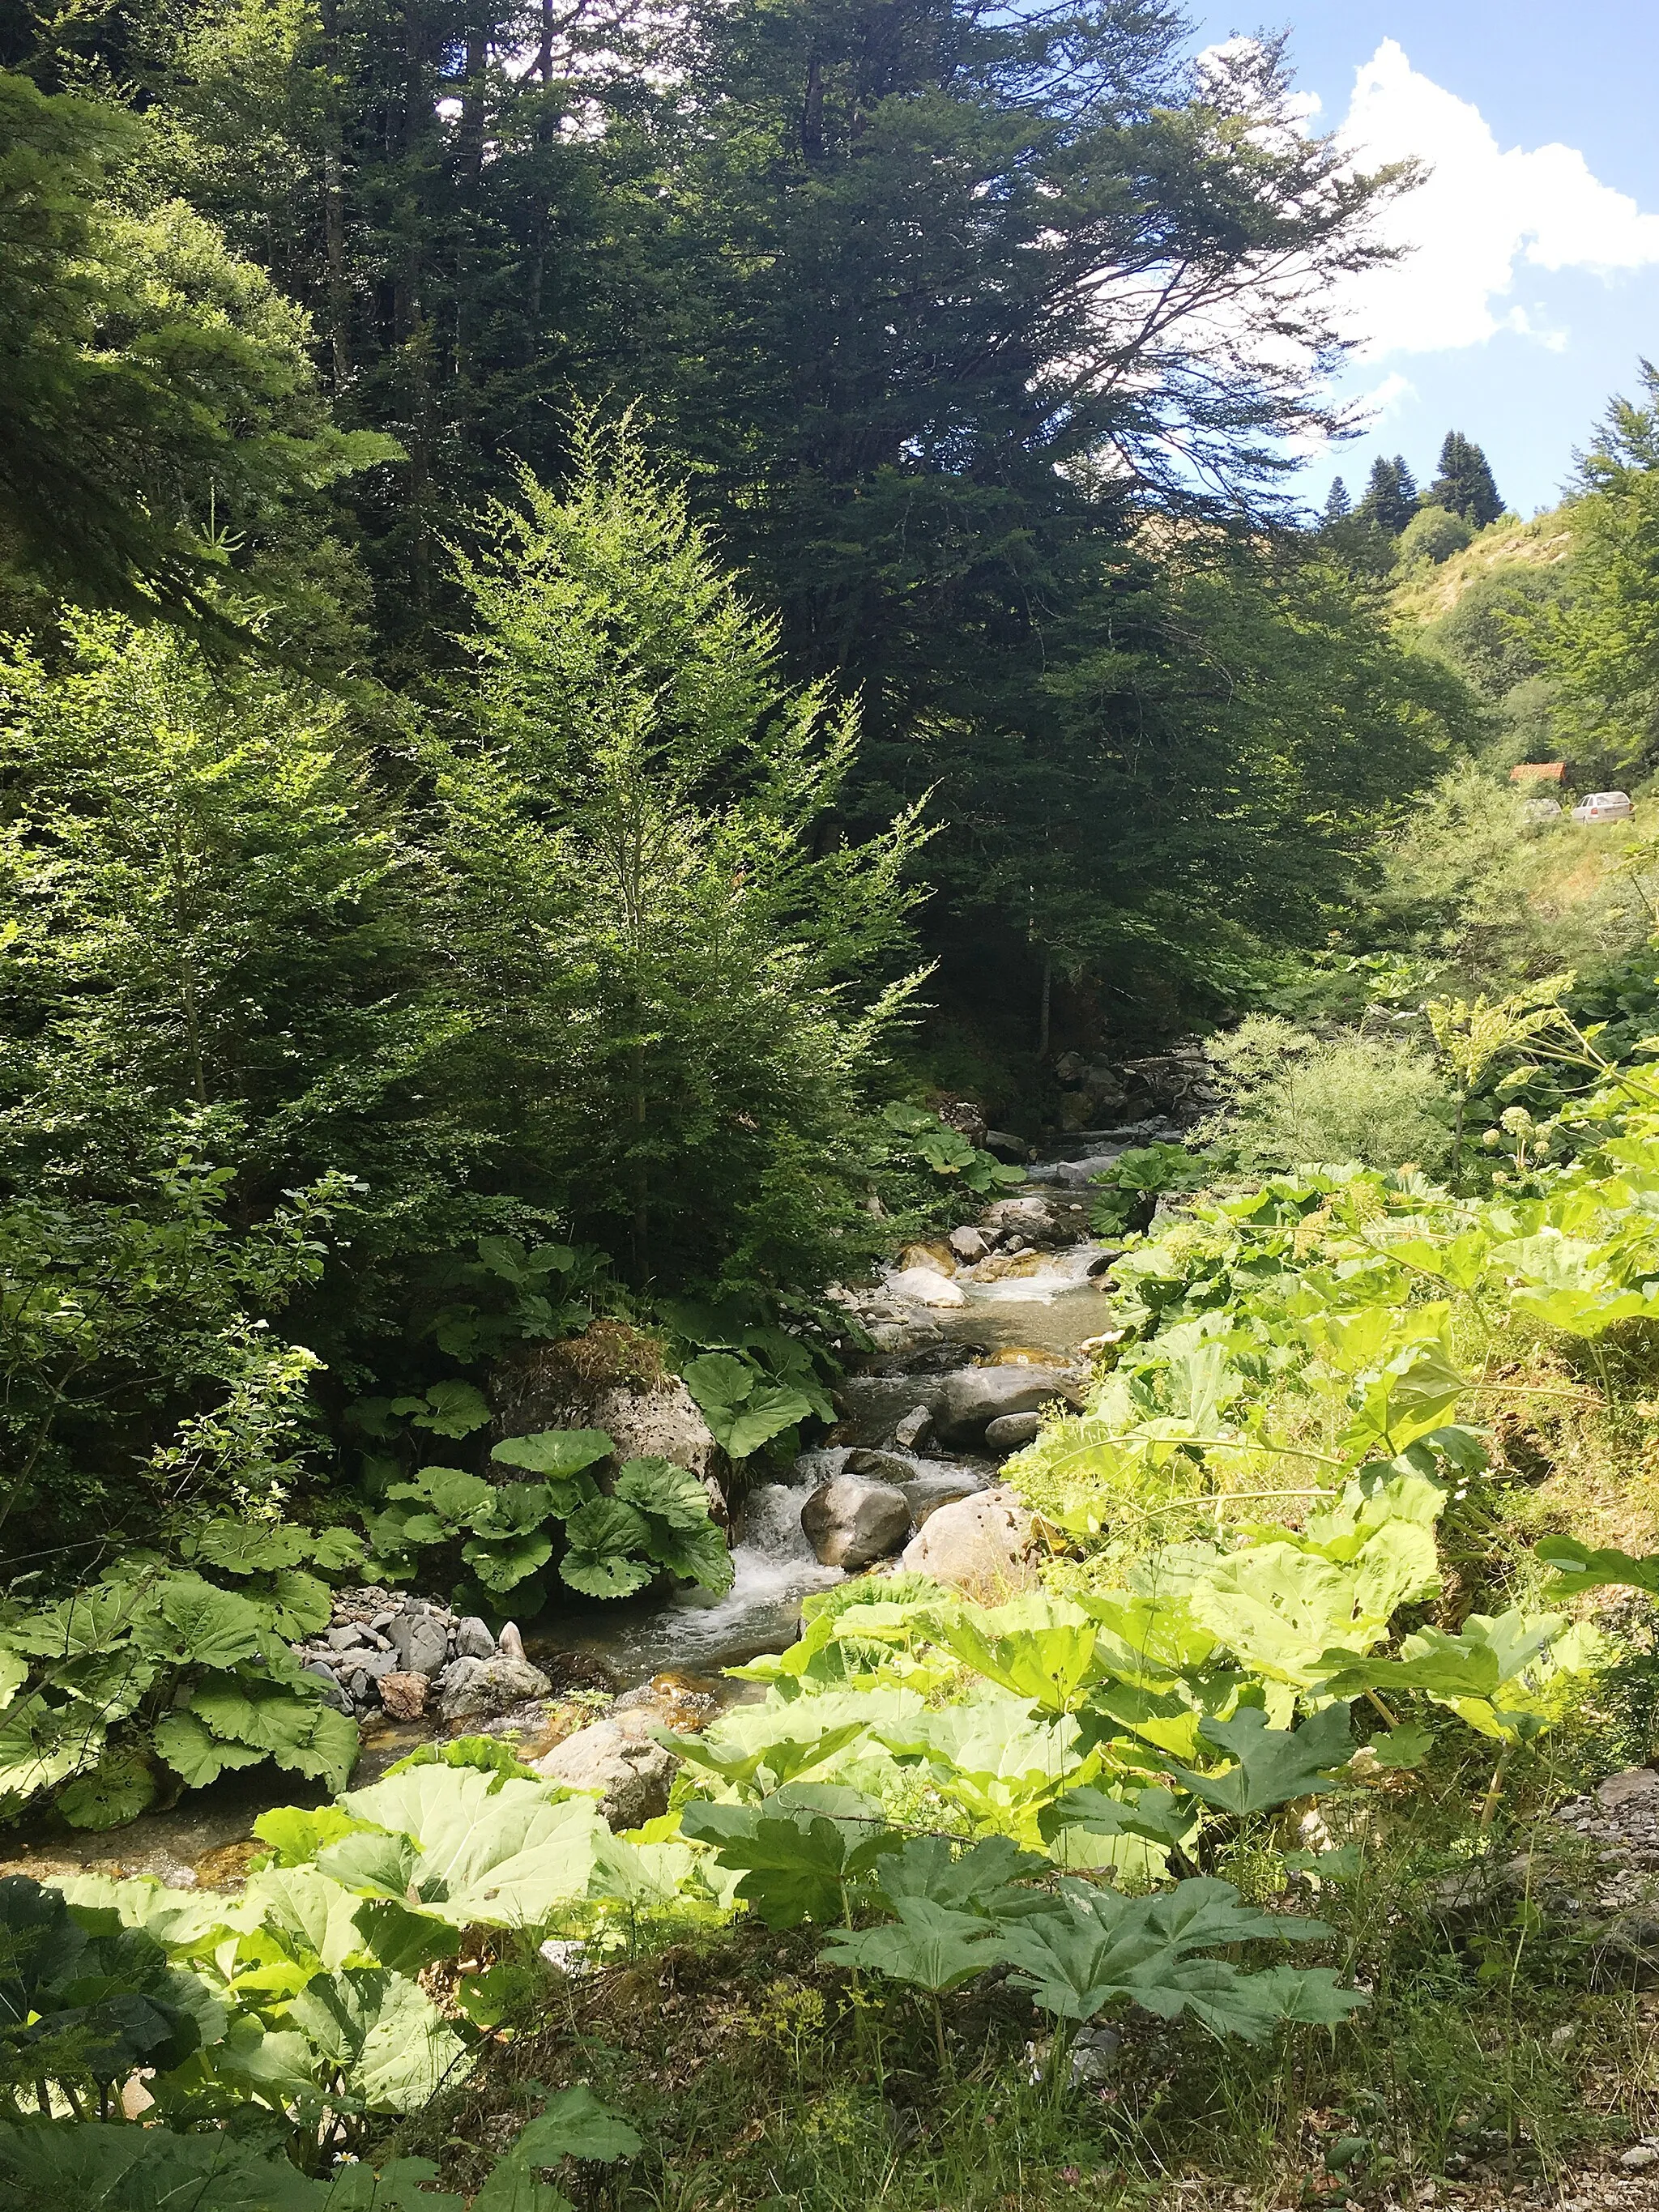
{"x":673,"y":727}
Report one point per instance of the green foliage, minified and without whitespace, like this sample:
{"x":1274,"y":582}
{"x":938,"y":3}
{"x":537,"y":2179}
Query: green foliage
{"x":157,"y":1663}
{"x":1433,"y":535}
{"x":947,"y":1152}
{"x":1141,"y":1172}
{"x":656,"y":1516}
{"x":1295,"y":1099}
{"x":161,"y":407}
{"x":744,"y":1410}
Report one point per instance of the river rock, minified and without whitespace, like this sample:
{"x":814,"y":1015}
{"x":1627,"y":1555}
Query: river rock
{"x":333,"y":1694}
{"x":1011,"y":1432}
{"x":473,"y":1639}
{"x":975,"y":1396}
{"x":618,"y":1758}
{"x":849,"y":1523}
{"x":871,"y":1406}
{"x":909,"y":1433}
{"x":421,"y":1641}
{"x":404,"y":1696}
{"x":471,"y":1689}
{"x":984,"y":1545}
{"x":926,"y":1287}
{"x":1002,"y":1144}
{"x":605,"y":1379}
{"x":878,"y":1466}
{"x":510,"y":1643}
{"x":969,"y":1245}
{"x":347,"y":1638}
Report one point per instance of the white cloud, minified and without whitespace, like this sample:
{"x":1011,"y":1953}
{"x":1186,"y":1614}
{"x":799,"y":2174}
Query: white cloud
{"x":1481,"y":212}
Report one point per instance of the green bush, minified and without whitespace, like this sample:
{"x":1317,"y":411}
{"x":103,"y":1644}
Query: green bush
{"x":1296,"y":1098}
{"x":1434,"y":534}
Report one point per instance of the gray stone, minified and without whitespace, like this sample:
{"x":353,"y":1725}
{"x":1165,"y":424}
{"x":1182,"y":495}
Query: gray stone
{"x":849,"y":1523}
{"x":421,"y":1643}
{"x":511,"y":1642}
{"x":1638,"y":2156}
{"x":1636,"y":1786}
{"x":975,"y":1396}
{"x":333,"y":1693}
{"x":473,"y":1639}
{"x":909,"y":1433}
{"x":372,"y":1663}
{"x":347,"y":1638}
{"x":983,"y":1544}
{"x":618,"y":1758}
{"x":1011,"y":1433}
{"x":969,"y":1245}
{"x":473,"y":1689}
{"x":1002,"y":1144}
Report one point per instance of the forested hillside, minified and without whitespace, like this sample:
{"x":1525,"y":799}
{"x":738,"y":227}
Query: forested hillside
{"x":823,"y":1234}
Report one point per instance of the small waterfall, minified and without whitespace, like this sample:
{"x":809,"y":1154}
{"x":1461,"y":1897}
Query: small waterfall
{"x":773,"y":1567}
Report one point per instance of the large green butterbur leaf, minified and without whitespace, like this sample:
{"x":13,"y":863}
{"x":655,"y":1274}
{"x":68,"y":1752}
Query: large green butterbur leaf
{"x":1273,"y":1764}
{"x":934,"y":1947}
{"x":502,"y":1857}
{"x":605,"y":1540}
{"x":742,"y":1408}
{"x":383,"y":2034}
{"x":1039,"y":1647}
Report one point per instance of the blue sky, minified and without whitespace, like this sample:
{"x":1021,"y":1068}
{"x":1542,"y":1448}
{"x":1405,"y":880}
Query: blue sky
{"x":1535,"y":284}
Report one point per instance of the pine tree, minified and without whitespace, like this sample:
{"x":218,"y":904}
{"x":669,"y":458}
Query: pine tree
{"x":1391,"y":497}
{"x":1465,"y":484}
{"x":1338,"y":505}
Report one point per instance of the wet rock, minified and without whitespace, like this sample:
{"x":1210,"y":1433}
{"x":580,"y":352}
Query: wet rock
{"x":969,"y":1245}
{"x":673,"y":1701}
{"x":473,"y":1639}
{"x":473,"y":1688}
{"x":878,"y":1466}
{"x":404,"y":1696}
{"x":421,"y":1641}
{"x":984,"y":1545}
{"x":1002,"y":1145}
{"x":973,"y":1397}
{"x":909,"y":1433}
{"x":925,"y":1287}
{"x":871,"y":1405}
{"x":849,"y":1523}
{"x":1011,"y":1433}
{"x":618,"y":1758}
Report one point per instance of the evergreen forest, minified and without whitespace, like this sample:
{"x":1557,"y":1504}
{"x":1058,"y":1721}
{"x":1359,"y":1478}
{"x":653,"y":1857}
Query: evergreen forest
{"x":829,"y":1175}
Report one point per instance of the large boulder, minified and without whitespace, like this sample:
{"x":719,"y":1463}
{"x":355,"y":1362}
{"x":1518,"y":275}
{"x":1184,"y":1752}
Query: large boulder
{"x":849,"y":1523}
{"x":925,"y":1286}
{"x":618,"y":1758}
{"x":478,"y":1689}
{"x":985,"y":1545}
{"x":610,"y":1377}
{"x":974,"y":1397}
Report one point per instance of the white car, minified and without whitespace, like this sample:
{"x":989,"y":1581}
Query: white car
{"x":1604,"y":806}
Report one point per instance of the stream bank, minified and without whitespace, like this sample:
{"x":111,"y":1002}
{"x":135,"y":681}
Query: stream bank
{"x":971,"y":1334}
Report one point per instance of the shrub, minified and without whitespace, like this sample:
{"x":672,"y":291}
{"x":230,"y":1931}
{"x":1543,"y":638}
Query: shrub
{"x":1435,"y":534}
{"x":1295,"y":1097}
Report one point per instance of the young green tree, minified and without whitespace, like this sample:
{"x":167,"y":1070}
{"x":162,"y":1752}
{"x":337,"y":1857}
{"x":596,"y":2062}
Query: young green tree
{"x":1465,"y":484}
{"x":673,"y":957}
{"x":1599,"y":640}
